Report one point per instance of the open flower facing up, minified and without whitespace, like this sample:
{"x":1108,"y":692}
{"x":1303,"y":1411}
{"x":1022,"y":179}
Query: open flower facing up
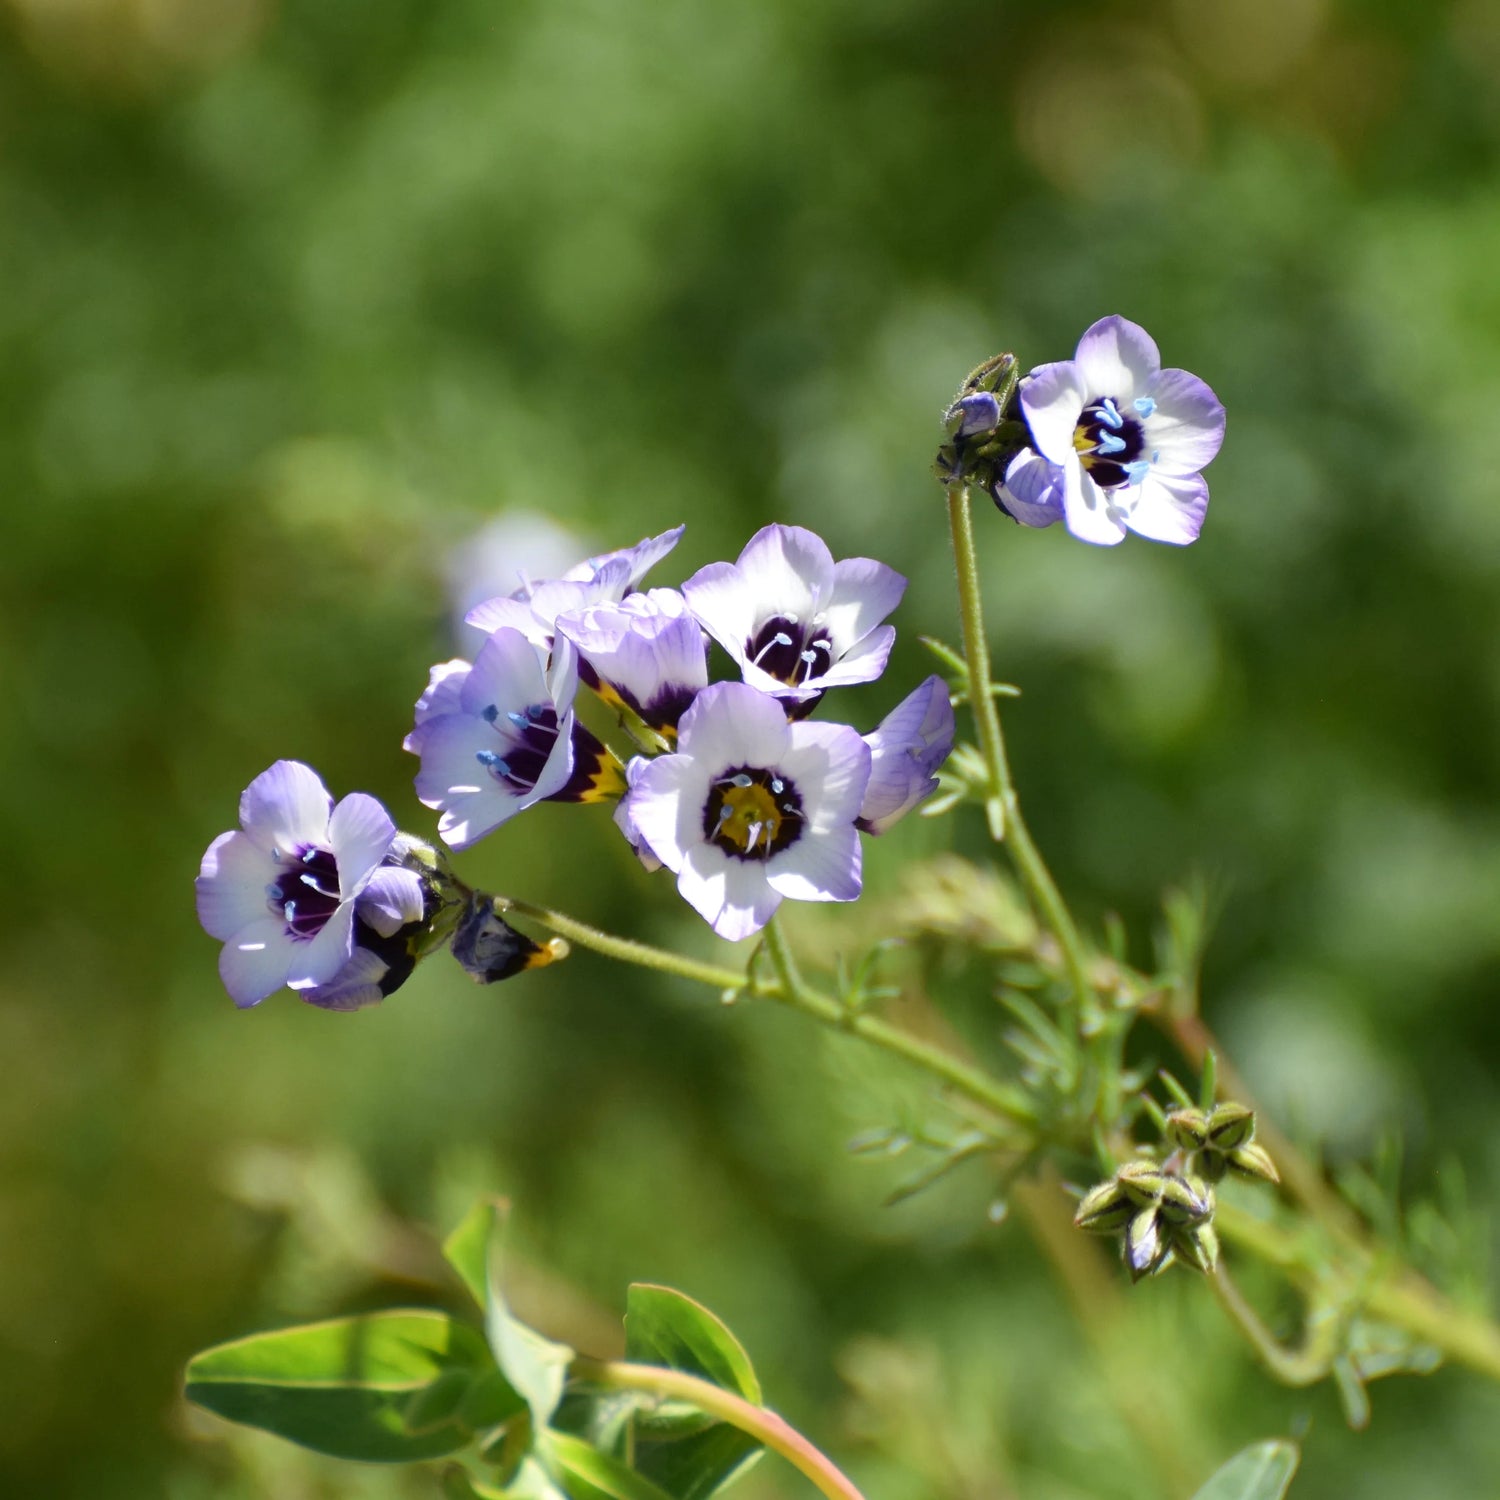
{"x":606,"y":579}
{"x":1119,"y":442}
{"x":286,"y":893}
{"x":647,"y":653}
{"x":906,"y":748}
{"x":499,"y":736}
{"x":796,"y":621}
{"x":752,"y":809}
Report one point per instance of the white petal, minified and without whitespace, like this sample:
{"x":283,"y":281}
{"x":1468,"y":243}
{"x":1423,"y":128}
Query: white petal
{"x":863,"y":662}
{"x":788,"y":568}
{"x":1053,"y":398}
{"x":819,"y":867}
{"x":472,"y":801}
{"x":391,"y":899}
{"x":1170,"y":510}
{"x":507,"y":673}
{"x":318,"y":961}
{"x":666,"y":801}
{"x":1086,"y":509}
{"x":725,"y":605}
{"x":507,"y":614}
{"x":829,"y":764}
{"x":286,"y":807}
{"x":732,"y":895}
{"x":231,"y":884}
{"x":1117,"y":358}
{"x":730,"y":724}
{"x":444,"y":684}
{"x":1187,"y":428}
{"x":255,"y":960}
{"x":359,"y":832}
{"x":864,"y":593}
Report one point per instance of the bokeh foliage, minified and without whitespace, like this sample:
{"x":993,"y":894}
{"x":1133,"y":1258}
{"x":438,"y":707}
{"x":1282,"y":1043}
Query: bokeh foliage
{"x":293,"y":298}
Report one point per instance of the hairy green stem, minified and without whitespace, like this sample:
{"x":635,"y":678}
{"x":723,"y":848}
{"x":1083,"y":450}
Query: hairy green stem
{"x":791,"y":990}
{"x":1304,"y":1366}
{"x":755,"y":1421}
{"x":1002,"y":806}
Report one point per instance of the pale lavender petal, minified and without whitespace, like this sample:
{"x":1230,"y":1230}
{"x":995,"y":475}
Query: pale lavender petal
{"x":625,"y":815}
{"x":558,"y":767}
{"x":863,"y":662}
{"x":1088,"y":513}
{"x":649,"y":649}
{"x":507,"y":613}
{"x":911,"y":742}
{"x":1117,"y":358}
{"x":1053,"y":398}
{"x":318,"y":961}
{"x":731,"y":724}
{"x":391,"y":898}
{"x":354,"y":987}
{"x":1033,"y":490}
{"x":829,"y":764}
{"x":286,"y":807}
{"x":359,"y":832}
{"x":638,"y":560}
{"x":824,"y":867}
{"x":665,"y":806}
{"x":507,"y":675}
{"x":255,"y":961}
{"x":1186,"y":429}
{"x":725,"y":604}
{"x":444,"y":685}
{"x":864,"y":593}
{"x":231,"y":884}
{"x":451,"y":778}
{"x":733,"y":896}
{"x":1170,"y":509}
{"x":788,"y":568}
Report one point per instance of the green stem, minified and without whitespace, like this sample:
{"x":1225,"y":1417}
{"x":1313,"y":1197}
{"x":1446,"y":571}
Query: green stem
{"x":791,"y":990}
{"x":1305,"y":1366}
{"x":1002,"y":805}
{"x":764,"y":1426}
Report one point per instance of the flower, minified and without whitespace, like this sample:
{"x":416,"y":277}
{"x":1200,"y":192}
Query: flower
{"x":752,"y":809}
{"x":1124,"y":440}
{"x":647,"y":654}
{"x":796,"y":621}
{"x":907,"y":747}
{"x":500,"y":735}
{"x":605,"y":579}
{"x":286,"y":891}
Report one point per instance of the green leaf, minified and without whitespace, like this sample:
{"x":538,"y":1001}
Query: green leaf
{"x":467,"y":1248}
{"x":665,"y":1327}
{"x":383,"y":1388}
{"x":592,"y":1475}
{"x":1260,"y":1472}
{"x":685,"y":1452}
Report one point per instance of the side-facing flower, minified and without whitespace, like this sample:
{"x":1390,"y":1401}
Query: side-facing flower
{"x":1127,"y":438}
{"x":906,"y":749}
{"x":626,"y":823}
{"x":646,"y":654}
{"x":605,"y":579}
{"x":498,"y":736}
{"x":753,"y":809}
{"x":284,"y":893}
{"x":796,"y":621}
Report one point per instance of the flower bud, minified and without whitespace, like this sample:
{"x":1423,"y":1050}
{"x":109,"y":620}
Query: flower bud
{"x":1230,"y":1126}
{"x":1147,"y":1245}
{"x":490,"y":949}
{"x":973,"y":414}
{"x":1254,"y":1161}
{"x":1187,"y":1129}
{"x":1105,"y":1209}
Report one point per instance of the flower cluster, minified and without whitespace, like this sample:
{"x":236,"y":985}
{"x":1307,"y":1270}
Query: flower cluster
{"x":736,"y":791}
{"x":1106,"y":442}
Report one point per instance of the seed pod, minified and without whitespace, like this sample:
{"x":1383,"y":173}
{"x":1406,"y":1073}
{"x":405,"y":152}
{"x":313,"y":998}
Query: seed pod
{"x":1105,"y":1209}
{"x":1187,"y":1129}
{"x":1147,"y":1245}
{"x":1198,"y":1247}
{"x":1230,"y":1127}
{"x":1185,"y":1202}
{"x":1254,"y":1161}
{"x":1142,"y":1181}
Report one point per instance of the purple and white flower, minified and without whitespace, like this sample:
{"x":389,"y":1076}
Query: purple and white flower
{"x":1124,"y":439}
{"x":647,"y":653}
{"x":286,"y":891}
{"x":906,"y":749}
{"x":499,"y":736}
{"x":753,"y":809}
{"x":796,"y":621}
{"x":605,"y":579}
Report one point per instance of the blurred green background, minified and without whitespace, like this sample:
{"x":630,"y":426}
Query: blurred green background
{"x":295,"y":298}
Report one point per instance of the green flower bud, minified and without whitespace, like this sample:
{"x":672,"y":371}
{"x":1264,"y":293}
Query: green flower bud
{"x":1197,"y":1247}
{"x":1142,"y":1181}
{"x":1185,"y":1202}
{"x":1254,"y":1161}
{"x":1230,"y":1126}
{"x":1187,"y":1129}
{"x":1147,"y":1245}
{"x":1105,"y":1209}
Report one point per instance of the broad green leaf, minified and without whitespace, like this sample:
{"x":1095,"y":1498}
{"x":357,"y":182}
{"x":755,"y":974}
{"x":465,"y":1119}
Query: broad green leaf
{"x":665,"y":1327}
{"x":685,"y":1452}
{"x":383,"y":1388}
{"x":592,"y":1475}
{"x":1260,"y":1472}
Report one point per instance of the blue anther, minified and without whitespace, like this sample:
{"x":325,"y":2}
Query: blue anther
{"x":492,"y":763}
{"x":1109,"y":414}
{"x":1144,"y":405}
{"x":490,"y":714}
{"x":1109,"y":443}
{"x":1156,"y":455}
{"x":1137,"y":471}
{"x":519,"y":720}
